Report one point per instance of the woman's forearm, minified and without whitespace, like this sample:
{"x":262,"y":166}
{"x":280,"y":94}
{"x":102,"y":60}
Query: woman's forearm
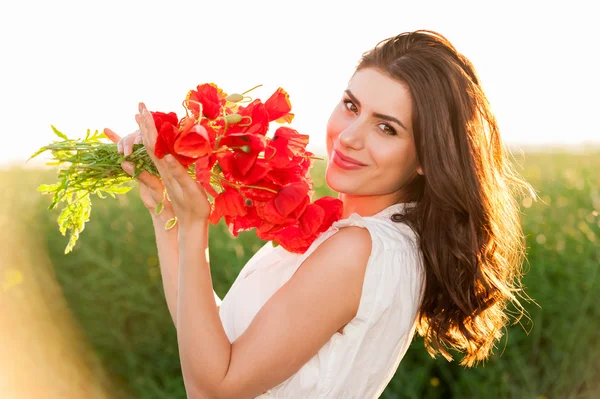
{"x":168,"y":259}
{"x":204,"y":348}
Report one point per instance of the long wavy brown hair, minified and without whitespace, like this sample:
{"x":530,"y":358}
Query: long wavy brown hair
{"x":467,"y":214}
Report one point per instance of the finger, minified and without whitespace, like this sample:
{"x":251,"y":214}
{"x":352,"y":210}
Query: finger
{"x":112,"y":136}
{"x":149,"y":135}
{"x":152,"y":182}
{"x":128,"y":144}
{"x":178,"y":173}
{"x":147,"y":127}
{"x":120,"y":146}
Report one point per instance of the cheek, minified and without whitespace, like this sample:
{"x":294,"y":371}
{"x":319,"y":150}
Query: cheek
{"x":396,"y":163}
{"x":334,"y":127}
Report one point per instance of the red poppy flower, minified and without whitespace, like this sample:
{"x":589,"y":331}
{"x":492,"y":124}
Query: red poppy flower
{"x":204,"y":166}
{"x":278,"y":107}
{"x":192,"y":141}
{"x":255,"y":120}
{"x":332,"y":208}
{"x":289,"y":236}
{"x":241,"y":223}
{"x":260,"y":195}
{"x":246,"y":148}
{"x":210,"y":96}
{"x":291,"y":239}
{"x":228,"y":203}
{"x":286,"y":144}
{"x":161,"y":118}
{"x":288,"y":205}
{"x":165,"y":144}
{"x":297,"y":170}
{"x":311,"y":220}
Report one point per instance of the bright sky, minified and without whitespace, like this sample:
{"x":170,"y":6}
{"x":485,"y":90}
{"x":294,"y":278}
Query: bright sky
{"x":86,"y":64}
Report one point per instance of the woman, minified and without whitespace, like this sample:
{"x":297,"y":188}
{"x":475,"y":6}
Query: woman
{"x":429,"y":241}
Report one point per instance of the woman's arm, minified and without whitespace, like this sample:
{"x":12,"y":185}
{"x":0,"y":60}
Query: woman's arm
{"x":151,"y":193}
{"x":168,"y":259}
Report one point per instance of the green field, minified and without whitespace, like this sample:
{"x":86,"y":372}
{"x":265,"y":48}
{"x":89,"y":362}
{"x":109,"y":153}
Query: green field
{"x":113,"y":323}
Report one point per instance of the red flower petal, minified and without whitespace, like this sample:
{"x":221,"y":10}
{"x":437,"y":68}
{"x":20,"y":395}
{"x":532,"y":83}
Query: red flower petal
{"x":246,"y":148}
{"x":210,"y":96}
{"x":290,"y":197}
{"x":278,"y":106}
{"x":228,"y":203}
{"x":161,"y":118}
{"x":192,"y":141}
{"x":311,"y":219}
{"x":255,"y":119}
{"x":257,"y":172}
{"x":165,"y":140}
{"x":292,"y":240}
{"x":333,"y":208}
{"x":241,"y":223}
{"x":260,"y":195}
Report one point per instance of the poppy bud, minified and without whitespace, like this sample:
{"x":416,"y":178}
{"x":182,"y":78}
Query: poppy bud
{"x":234,"y":98}
{"x":233,"y":118}
{"x":248,"y":202}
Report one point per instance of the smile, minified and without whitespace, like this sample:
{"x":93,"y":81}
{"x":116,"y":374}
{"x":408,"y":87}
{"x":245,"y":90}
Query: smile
{"x":343,"y":162}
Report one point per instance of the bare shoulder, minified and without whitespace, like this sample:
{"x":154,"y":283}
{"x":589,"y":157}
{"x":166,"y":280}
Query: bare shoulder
{"x":339,"y":263}
{"x":351,"y":243}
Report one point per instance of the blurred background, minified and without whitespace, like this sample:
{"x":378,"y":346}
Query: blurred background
{"x":94,"y":323}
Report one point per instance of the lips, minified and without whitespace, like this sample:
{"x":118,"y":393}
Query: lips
{"x":348,"y":159}
{"x":345,"y":162}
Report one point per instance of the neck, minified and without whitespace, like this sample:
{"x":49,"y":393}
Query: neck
{"x":365,"y":205}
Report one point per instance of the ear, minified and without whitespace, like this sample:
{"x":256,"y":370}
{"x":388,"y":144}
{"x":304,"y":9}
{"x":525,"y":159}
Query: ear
{"x":420,"y":170}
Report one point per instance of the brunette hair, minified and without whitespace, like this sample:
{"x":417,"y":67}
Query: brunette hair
{"x":466,"y":216}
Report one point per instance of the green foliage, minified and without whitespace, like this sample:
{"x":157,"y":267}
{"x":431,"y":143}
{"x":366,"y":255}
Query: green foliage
{"x":114,"y":289}
{"x":87,"y":167}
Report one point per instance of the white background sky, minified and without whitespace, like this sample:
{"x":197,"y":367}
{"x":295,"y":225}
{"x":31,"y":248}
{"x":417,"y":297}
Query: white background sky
{"x":87,"y":64}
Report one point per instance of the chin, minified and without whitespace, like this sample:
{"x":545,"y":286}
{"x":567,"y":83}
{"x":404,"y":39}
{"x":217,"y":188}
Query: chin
{"x":337,"y":182}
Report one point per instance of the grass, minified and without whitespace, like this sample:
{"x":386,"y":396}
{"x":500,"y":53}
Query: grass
{"x":121,"y":333}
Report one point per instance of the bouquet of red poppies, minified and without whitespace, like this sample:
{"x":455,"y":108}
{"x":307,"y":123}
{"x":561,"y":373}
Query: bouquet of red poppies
{"x":255,"y":181}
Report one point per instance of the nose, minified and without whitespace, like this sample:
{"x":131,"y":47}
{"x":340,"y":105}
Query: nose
{"x":352,"y":136}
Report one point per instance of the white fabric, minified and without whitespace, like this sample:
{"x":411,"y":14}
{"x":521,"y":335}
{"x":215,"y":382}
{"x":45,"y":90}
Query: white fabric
{"x":360,"y":362}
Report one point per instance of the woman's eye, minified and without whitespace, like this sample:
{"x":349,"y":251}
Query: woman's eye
{"x":352,"y":107}
{"x":388,"y":129}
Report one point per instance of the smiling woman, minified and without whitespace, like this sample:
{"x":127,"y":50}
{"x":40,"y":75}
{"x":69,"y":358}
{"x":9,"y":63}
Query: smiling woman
{"x":429,"y":242}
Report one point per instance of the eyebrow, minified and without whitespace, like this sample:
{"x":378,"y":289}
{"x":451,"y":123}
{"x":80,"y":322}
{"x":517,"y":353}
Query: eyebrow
{"x":375,"y":114}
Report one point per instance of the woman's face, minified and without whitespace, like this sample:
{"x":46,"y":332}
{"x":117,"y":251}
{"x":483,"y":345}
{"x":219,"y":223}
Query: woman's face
{"x":372,"y":125}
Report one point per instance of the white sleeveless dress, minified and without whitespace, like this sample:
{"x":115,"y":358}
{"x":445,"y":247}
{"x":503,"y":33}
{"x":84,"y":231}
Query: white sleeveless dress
{"x":360,"y":362}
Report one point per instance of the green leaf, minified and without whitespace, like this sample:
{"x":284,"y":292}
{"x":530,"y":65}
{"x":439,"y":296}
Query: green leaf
{"x":118,"y":190}
{"x":48,"y":188}
{"x":159,"y":208}
{"x":35,"y":154}
{"x":171,"y":223}
{"x":59,"y":134}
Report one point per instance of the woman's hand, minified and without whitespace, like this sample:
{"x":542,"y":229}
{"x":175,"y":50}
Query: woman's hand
{"x":151,"y":187}
{"x":189,"y":200}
